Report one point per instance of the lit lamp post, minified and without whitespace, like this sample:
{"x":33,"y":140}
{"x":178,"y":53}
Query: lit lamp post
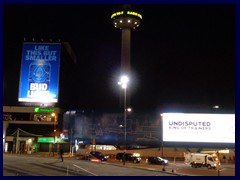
{"x":54,"y":116}
{"x":161,"y":116}
{"x":123,"y":82}
{"x":54,"y":132}
{"x":215,"y":107}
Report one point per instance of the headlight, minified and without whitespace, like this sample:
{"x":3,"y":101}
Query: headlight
{"x":136,"y":154}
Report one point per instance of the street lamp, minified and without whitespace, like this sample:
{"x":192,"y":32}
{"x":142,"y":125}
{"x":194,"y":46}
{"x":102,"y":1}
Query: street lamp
{"x":129,"y":109}
{"x":54,"y":123}
{"x":123,"y":82}
{"x":54,"y":132}
{"x":161,"y":116}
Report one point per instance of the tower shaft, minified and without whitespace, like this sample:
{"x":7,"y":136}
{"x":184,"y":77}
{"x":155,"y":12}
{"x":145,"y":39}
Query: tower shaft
{"x":125,"y":52}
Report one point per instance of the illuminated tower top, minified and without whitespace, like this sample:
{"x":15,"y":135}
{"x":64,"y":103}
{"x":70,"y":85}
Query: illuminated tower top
{"x":126,"y":19}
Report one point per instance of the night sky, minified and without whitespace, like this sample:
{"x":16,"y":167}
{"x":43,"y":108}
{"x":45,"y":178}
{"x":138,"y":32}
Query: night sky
{"x":182,"y":56}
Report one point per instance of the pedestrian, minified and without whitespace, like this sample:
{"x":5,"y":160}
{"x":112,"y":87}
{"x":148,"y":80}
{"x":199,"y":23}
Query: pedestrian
{"x":163,"y":168}
{"x":61,"y":154}
{"x":224,"y":158}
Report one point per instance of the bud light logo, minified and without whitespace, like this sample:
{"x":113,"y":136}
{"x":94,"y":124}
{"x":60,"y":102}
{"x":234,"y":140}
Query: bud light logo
{"x":39,"y":72}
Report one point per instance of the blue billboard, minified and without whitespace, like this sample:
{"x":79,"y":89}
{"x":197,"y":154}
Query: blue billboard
{"x":39,"y":72}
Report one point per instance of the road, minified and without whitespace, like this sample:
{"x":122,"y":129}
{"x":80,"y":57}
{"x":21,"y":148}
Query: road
{"x":22,"y":165}
{"x":182,"y":169}
{"x":27,"y":165}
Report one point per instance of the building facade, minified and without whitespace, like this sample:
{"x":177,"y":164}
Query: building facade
{"x":23,"y":126}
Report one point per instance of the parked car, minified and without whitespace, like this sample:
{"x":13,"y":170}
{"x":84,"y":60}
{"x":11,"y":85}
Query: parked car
{"x":97,"y":155}
{"x":157,"y":160}
{"x":128,"y":157}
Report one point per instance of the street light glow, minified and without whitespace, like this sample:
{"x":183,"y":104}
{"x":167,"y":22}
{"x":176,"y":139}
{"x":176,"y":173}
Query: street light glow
{"x":216,"y":107}
{"x":123,"y":81}
{"x":129,"y":109}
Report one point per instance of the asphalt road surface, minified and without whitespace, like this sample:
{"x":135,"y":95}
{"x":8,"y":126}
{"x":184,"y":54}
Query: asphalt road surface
{"x":28,"y":165}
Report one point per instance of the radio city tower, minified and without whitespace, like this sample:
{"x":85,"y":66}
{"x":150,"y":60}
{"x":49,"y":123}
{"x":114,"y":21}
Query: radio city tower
{"x":126,"y":19}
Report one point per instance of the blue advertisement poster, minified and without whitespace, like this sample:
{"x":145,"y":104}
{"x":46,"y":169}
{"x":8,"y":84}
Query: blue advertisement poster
{"x":39,"y":72}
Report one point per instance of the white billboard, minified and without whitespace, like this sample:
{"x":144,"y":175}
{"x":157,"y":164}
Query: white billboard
{"x":209,"y":128}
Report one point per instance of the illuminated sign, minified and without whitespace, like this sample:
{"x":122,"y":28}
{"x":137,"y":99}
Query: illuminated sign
{"x":134,"y":14}
{"x":117,"y":14}
{"x":39,"y":72}
{"x":208,"y":128}
{"x":46,"y":139}
{"x":128,"y":12}
{"x":43,"y":110}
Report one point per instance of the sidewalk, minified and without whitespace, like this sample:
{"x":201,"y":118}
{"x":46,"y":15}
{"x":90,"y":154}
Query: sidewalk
{"x":44,"y":154}
{"x":51,"y":155}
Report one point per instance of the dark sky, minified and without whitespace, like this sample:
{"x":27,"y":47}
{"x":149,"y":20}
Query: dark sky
{"x":182,"y":56}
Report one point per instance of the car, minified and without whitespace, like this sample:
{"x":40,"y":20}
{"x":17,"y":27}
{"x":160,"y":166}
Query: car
{"x":95,"y":155}
{"x":135,"y":157}
{"x":157,"y":160}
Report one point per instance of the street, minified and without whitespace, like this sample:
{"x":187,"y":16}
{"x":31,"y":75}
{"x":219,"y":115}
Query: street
{"x":27,"y":165}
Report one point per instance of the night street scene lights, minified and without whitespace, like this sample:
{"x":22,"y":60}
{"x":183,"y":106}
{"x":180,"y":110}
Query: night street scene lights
{"x":123,"y":83}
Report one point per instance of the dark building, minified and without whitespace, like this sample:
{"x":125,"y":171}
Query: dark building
{"x":143,"y":130}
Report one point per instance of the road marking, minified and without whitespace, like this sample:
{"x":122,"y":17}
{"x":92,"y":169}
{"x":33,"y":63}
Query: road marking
{"x":85,"y":170}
